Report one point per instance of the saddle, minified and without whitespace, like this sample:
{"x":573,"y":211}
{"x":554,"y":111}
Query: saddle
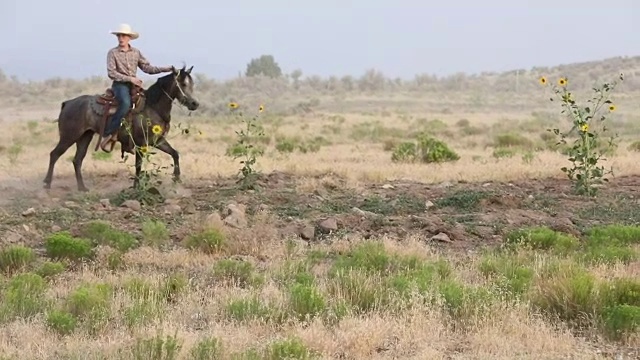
{"x":108,"y":103}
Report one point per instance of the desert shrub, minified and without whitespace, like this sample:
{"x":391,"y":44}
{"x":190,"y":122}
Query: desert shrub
{"x":512,"y":140}
{"x":155,"y":347}
{"x":23,"y":297}
{"x":634,"y":146}
{"x":291,"y":348}
{"x":15,"y":257}
{"x":102,"y":233}
{"x":237,"y":273}
{"x":61,"y":322}
{"x":543,"y":238}
{"x":425,"y":149}
{"x":154,"y":233}
{"x":62,"y":245}
{"x":206,"y":349}
{"x":208,"y":241}
{"x":50,"y":269}
{"x":90,"y":305}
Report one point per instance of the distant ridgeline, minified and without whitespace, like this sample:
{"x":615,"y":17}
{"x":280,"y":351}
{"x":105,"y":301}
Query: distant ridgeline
{"x":264,"y":81}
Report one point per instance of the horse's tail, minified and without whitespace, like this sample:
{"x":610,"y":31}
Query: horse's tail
{"x":61,"y":108}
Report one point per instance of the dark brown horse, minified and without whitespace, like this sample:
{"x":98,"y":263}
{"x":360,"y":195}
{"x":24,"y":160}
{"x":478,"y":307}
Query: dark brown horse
{"x":81,"y":118}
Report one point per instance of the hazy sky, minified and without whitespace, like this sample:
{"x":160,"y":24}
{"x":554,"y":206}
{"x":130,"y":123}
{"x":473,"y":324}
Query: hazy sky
{"x":70,"y":38}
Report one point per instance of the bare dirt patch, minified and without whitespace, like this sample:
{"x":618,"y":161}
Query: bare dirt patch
{"x":470,"y":214}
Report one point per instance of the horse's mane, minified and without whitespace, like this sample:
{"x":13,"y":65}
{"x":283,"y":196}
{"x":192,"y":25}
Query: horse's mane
{"x":155,"y":91}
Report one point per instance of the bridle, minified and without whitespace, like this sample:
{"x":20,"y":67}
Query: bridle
{"x":176,"y":83}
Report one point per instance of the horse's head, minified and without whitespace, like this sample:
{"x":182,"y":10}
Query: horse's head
{"x":181,"y":88}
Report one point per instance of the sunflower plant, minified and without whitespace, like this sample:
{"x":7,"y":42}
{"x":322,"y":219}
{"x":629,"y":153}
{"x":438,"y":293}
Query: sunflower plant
{"x":588,"y":121}
{"x":146,"y":190}
{"x":246,"y":146}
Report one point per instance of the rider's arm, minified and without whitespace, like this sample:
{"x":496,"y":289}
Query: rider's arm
{"x":145,"y":66}
{"x":112,"y":70}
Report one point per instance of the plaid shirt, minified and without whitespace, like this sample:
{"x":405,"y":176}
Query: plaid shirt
{"x":122,"y":65}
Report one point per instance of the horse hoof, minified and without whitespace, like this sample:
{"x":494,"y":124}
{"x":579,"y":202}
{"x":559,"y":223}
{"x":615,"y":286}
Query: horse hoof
{"x":47,"y":186}
{"x":83,"y":189}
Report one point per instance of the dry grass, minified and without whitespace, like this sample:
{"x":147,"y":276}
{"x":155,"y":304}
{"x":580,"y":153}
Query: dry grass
{"x":355,"y":148}
{"x":503,"y":330}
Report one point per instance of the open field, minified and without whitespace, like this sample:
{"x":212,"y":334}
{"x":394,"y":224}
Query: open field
{"x":341,"y":252}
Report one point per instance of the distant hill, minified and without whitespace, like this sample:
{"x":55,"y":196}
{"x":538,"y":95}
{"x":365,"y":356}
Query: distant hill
{"x":517,"y":83}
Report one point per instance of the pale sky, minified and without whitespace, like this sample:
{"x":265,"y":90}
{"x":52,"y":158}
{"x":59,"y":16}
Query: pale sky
{"x":70,"y":38}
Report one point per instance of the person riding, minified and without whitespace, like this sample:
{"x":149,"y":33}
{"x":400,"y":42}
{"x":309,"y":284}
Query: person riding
{"x":123,"y":62}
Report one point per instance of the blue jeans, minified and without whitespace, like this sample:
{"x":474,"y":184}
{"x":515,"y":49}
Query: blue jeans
{"x":122,"y":93}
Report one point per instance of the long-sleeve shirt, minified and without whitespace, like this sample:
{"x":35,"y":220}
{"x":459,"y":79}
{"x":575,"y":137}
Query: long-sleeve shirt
{"x":122,"y":64}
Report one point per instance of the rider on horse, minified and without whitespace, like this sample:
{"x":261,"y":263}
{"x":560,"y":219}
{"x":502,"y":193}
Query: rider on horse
{"x":122,"y":65}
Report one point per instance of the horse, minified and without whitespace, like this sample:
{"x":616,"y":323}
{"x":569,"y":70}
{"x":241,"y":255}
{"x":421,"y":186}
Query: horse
{"x":84,"y":116}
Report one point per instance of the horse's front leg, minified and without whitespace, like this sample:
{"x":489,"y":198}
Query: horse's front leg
{"x":164,"y":146}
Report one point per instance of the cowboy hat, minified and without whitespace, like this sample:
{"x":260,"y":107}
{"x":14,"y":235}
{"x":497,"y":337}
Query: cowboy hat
{"x":126,"y":29}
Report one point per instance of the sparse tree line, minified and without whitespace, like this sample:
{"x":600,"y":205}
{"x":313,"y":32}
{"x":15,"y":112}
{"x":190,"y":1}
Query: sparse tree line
{"x":263,"y":75}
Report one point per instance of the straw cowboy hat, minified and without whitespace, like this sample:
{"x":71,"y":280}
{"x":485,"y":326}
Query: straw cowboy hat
{"x":126,"y":29}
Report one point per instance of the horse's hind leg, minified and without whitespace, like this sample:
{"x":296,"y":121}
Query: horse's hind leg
{"x":165,"y":147}
{"x":54,"y":155}
{"x":81,"y":151}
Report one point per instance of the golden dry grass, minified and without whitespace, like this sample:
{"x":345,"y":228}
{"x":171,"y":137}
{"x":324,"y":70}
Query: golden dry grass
{"x":354,"y":150}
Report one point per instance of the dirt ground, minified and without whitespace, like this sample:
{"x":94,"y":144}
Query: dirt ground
{"x":471,"y":215}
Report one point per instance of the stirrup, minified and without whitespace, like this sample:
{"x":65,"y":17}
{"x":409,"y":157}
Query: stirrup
{"x":110,"y":140}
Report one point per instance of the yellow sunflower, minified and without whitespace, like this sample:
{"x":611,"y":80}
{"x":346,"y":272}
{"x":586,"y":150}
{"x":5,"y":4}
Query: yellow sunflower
{"x":562,"y":82}
{"x":156,"y":129}
{"x":612,"y":108}
{"x":584,"y":127}
{"x":233,"y":105}
{"x":261,"y":108}
{"x":143,"y":150}
{"x":543,"y":80}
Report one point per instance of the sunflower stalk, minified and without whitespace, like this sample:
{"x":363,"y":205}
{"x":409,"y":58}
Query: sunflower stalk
{"x":586,"y":151}
{"x":147,"y":190}
{"x":247,"y":146}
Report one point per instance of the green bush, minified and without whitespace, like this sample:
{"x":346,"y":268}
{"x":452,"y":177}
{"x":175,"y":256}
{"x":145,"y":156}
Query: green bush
{"x":425,"y":149}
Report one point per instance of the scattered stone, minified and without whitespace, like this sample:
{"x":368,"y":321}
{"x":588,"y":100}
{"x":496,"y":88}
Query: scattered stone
{"x":565,"y":225}
{"x":132,"y":204}
{"x":182,"y":192}
{"x":307,"y":232}
{"x":29,"y":212}
{"x":387,"y":186}
{"x":190,"y":209}
{"x":56,"y":228}
{"x":71,"y":205}
{"x":328,"y":225}
{"x":214,"y":221}
{"x":442,"y":237}
{"x":486,"y":184}
{"x":445,"y":184}
{"x":236,"y":216}
{"x":106,"y":203}
{"x":12,"y":237}
{"x":361,"y":212}
{"x":321,"y":192}
{"x":171,"y":201}
{"x":172,"y":209}
{"x":429,"y":204}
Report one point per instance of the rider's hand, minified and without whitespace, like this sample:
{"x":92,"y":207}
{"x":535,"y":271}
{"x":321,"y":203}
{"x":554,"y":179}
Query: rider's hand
{"x":136,"y":82}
